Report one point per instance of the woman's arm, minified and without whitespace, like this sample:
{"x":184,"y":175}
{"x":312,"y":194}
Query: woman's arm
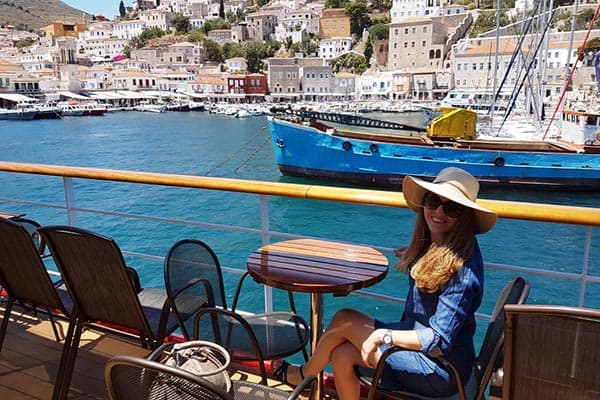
{"x":370,"y":351}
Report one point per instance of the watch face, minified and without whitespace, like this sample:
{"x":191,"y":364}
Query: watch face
{"x":387,"y":338}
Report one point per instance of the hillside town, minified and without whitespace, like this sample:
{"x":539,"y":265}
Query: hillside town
{"x":425,"y":55}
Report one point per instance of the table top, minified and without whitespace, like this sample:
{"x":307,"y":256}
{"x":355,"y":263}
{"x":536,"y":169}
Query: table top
{"x":317,"y":266}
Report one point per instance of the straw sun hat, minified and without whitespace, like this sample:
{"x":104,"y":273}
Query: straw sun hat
{"x":453,"y":184}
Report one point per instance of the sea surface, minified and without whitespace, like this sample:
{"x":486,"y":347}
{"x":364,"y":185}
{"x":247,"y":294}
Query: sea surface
{"x":198,"y":143}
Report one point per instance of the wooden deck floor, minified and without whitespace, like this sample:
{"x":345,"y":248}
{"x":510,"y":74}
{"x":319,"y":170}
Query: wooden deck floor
{"x":30,"y":357}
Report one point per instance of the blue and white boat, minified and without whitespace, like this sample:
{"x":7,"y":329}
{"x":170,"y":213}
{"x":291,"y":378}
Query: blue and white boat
{"x":380,"y":156}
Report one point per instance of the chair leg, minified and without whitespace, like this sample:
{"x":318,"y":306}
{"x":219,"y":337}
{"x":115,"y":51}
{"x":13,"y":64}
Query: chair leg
{"x":67,"y":359}
{"x":5,"y":319}
{"x":53,"y":323}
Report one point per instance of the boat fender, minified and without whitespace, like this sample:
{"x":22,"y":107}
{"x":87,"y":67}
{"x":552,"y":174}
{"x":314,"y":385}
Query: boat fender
{"x":280,"y":143}
{"x":499,"y":161}
{"x":374,"y":148}
{"x":346,"y":145}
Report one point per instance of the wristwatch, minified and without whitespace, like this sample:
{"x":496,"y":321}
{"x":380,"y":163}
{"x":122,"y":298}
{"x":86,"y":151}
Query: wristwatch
{"x":387,"y":337}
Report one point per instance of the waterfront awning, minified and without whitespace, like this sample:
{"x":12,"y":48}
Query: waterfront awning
{"x":104,"y":95}
{"x":17,"y":98}
{"x":72,"y":95}
{"x":128,"y":94}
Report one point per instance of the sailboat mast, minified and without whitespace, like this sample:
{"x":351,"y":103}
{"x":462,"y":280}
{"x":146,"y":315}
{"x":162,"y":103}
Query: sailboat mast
{"x":493,"y":106}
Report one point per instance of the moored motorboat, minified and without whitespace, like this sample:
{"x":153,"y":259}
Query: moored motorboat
{"x":381,"y":154}
{"x":72,"y":110}
{"x":17,"y":115}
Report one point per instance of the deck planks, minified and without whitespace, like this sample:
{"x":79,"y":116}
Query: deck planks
{"x":30,"y":357}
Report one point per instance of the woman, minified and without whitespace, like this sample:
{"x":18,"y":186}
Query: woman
{"x":445,"y":270}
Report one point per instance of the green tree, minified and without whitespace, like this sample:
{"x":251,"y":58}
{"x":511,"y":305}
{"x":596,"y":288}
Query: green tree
{"x":181,"y":23}
{"x":221,"y":9}
{"x":368,"y":49}
{"x":584,"y":18}
{"x":122,"y":11}
{"x":148,"y":34}
{"x":336,"y":3}
{"x":218,"y":23}
{"x":288,"y":42}
{"x":255,"y":52}
{"x":231,"y":50}
{"x":379,"y":31}
{"x":359,"y":17}
{"x":214,"y":52}
{"x":24,"y":43}
{"x":350,"y":62}
{"x":591,"y":46}
{"x":196,"y":35}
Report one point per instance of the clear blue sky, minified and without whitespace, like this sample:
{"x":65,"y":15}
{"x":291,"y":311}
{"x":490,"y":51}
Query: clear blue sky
{"x":108,"y":8}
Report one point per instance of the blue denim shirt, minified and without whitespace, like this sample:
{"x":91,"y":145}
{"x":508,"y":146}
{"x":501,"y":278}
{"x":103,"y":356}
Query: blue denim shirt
{"x":445,"y":320}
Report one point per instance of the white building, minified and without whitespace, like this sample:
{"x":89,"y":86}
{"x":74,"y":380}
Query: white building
{"x":423,"y":8}
{"x":334,"y":47}
{"x":297,"y":24}
{"x":128,"y":29}
{"x":374,"y":85}
{"x":156,"y":19}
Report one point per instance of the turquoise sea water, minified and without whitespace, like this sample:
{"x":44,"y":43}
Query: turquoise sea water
{"x":205,"y":144}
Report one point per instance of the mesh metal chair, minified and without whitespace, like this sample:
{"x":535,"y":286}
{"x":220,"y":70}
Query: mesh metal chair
{"x":138,"y":378}
{"x":32,"y":227}
{"x":104,"y":295}
{"x":193,"y":271}
{"x":25,"y":279}
{"x":551,"y":352}
{"x":487,"y":361}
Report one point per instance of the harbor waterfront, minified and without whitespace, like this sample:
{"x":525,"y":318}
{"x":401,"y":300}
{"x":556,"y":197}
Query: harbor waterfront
{"x":202,"y":144}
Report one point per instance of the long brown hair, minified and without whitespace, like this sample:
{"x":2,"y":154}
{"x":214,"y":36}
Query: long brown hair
{"x":432,"y":265}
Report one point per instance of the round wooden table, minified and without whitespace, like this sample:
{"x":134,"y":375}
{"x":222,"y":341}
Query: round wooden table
{"x":317,"y":267}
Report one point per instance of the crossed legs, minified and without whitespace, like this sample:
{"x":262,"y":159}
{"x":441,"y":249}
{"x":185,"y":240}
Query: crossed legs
{"x":340,"y":344}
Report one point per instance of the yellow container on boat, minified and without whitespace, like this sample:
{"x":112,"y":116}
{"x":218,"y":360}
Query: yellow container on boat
{"x":453,"y":123}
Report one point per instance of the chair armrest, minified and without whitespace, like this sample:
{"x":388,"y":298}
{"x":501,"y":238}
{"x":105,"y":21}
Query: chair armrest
{"x":306,"y":382}
{"x":172,"y":299}
{"x":214,"y":312}
{"x":394,"y":349}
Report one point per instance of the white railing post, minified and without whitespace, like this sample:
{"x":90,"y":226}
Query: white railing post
{"x":70,"y":200}
{"x":586,"y":265}
{"x":266,"y":237}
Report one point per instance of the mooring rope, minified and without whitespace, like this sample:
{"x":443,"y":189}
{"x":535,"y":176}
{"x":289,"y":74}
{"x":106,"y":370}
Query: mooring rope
{"x":251,"y":156}
{"x":239,"y":150}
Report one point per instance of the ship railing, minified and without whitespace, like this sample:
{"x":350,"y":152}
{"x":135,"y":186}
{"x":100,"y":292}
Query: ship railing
{"x":586,"y":217}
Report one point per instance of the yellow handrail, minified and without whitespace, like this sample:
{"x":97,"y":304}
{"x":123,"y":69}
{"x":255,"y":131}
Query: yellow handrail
{"x":589,"y":216}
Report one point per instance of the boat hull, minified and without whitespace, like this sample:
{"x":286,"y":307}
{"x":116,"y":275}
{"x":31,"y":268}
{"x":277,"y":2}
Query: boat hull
{"x":302,"y":150}
{"x":17,"y":115}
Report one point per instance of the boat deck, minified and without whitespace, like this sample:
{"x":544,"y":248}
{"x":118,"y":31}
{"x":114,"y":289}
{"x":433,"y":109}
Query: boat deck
{"x":30,"y":357}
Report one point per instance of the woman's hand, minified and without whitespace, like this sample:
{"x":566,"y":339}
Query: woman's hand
{"x":370,"y":352}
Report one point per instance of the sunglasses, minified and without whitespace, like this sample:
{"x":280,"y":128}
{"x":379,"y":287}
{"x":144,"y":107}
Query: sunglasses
{"x":451,"y":209}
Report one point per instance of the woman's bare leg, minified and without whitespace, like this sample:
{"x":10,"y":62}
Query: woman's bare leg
{"x":343,"y":359}
{"x":347,"y":326}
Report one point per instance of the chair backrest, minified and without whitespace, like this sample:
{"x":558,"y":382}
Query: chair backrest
{"x":193,"y":279}
{"x":32,"y":227}
{"x":22,"y":272}
{"x":551,"y":352}
{"x":137,"y":378}
{"x":490,"y":353}
{"x":96,"y":276}
{"x":191,"y":260}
